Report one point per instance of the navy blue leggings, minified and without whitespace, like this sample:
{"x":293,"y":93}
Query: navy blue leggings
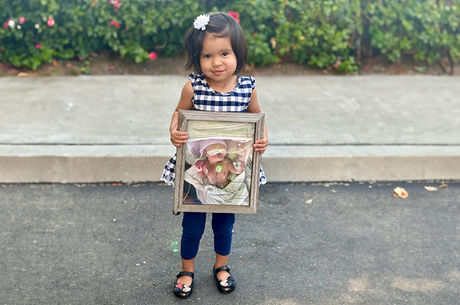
{"x":193,"y":227}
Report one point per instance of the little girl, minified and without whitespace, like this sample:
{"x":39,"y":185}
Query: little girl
{"x":217,"y":51}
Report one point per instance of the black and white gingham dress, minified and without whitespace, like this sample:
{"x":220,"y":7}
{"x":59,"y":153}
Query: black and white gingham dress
{"x":206,"y":99}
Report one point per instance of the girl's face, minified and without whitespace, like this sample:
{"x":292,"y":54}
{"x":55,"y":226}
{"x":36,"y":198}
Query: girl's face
{"x":218,"y":61}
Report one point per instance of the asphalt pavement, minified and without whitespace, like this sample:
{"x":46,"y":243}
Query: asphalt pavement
{"x":310,"y":243}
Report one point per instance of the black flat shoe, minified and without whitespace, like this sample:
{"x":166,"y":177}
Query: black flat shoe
{"x":181,"y":290}
{"x":225,"y":286}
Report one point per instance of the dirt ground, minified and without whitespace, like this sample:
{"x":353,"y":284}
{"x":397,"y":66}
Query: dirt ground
{"x":109,"y":64}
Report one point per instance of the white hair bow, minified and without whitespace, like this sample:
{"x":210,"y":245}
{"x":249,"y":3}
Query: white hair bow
{"x":201,"y":22}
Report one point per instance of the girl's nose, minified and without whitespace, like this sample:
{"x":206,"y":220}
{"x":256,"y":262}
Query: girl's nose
{"x":216,"y":62}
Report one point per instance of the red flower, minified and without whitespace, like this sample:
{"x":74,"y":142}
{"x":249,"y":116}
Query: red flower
{"x":38,"y":46}
{"x":22,"y":20}
{"x":115,"y":24}
{"x":153,"y":55}
{"x":50,"y":21}
{"x":7,"y":23}
{"x":235,"y":15}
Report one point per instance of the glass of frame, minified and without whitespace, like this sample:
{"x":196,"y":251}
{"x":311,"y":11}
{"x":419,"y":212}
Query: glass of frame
{"x":217,"y":170}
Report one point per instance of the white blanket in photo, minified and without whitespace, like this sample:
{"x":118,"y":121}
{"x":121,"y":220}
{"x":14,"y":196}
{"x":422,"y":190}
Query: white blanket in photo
{"x":235,"y":193}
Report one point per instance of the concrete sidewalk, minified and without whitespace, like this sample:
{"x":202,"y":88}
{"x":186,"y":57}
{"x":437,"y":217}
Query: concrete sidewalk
{"x":115,"y":128}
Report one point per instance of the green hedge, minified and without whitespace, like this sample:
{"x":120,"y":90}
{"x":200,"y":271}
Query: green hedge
{"x":319,"y":33}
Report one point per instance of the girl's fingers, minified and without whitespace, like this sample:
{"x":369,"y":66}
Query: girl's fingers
{"x":261,"y":145}
{"x":178,"y":142}
{"x":180,"y":134}
{"x":260,"y":150}
{"x":179,"y":137}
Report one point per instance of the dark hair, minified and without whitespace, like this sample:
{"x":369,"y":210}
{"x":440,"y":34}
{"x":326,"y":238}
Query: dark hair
{"x":221,"y":25}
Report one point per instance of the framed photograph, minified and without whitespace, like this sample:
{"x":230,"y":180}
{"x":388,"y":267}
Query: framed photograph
{"x":217,"y":170}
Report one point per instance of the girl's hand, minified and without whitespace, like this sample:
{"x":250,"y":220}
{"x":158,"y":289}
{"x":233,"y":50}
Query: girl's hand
{"x":261,"y":145}
{"x":179,"y":137}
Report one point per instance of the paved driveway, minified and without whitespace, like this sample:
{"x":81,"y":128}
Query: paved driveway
{"x":309,"y":244}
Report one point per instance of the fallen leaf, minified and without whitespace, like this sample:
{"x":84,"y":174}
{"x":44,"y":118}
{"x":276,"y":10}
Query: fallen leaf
{"x":431,"y":188}
{"x":400,"y":192}
{"x":309,"y":201}
{"x":443,"y":186}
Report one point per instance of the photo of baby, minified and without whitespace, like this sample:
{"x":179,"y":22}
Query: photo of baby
{"x":218,"y":163}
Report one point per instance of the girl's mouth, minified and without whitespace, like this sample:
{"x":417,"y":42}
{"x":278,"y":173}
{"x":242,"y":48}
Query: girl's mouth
{"x":218,"y":72}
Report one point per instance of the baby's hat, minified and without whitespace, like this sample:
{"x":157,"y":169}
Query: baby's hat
{"x":207,"y":142}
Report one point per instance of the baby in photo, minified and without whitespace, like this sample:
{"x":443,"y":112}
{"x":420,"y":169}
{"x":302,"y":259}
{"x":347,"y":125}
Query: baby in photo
{"x":216,"y":165}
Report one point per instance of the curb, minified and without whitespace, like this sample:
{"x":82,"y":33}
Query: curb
{"x":142,"y":163}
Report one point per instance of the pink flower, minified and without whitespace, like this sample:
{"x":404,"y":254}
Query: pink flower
{"x":50,"y":21}
{"x":38,"y":46}
{"x":5,"y":25}
{"x":115,"y":24}
{"x":116,"y":4}
{"x":153,"y":55}
{"x":235,"y":15}
{"x":22,"y":20}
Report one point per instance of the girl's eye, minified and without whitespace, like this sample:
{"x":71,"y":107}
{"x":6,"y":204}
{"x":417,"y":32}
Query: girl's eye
{"x":207,"y":56}
{"x":225,"y":53}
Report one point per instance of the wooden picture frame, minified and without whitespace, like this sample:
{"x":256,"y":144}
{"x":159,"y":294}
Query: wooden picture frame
{"x":218,"y":165}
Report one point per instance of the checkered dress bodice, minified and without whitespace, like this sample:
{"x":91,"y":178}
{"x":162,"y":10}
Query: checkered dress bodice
{"x":206,"y":99}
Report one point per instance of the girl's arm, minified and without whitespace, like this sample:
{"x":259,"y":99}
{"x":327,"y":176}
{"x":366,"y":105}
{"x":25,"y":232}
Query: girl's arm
{"x":260,"y":145}
{"x":180,"y":137}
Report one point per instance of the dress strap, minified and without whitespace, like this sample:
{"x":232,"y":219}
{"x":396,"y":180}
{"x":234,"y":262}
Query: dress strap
{"x":197,"y":80}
